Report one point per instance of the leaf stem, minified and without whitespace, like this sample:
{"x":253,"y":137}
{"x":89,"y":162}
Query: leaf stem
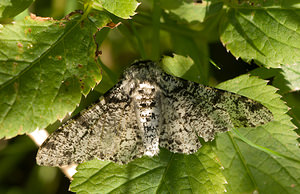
{"x":87,"y":8}
{"x":214,"y":64}
{"x":139,"y":41}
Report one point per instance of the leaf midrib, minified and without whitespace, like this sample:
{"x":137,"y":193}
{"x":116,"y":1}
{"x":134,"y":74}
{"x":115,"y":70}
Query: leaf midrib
{"x":239,"y":154}
{"x":164,"y":174}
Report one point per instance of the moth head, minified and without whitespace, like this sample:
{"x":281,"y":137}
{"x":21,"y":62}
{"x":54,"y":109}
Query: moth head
{"x":142,"y":70}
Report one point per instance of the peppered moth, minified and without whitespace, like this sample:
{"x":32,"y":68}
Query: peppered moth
{"x":146,"y":110}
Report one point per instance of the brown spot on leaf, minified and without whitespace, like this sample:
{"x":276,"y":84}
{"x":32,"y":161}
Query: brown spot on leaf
{"x":98,"y":53}
{"x":112,"y":25}
{"x":61,"y":24}
{"x":58,"y":57}
{"x":37,"y":18}
{"x":28,"y":31}
{"x":20,"y":45}
{"x":80,"y":66}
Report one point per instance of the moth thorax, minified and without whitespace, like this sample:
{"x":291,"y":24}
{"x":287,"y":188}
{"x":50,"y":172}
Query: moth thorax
{"x":147,"y":104}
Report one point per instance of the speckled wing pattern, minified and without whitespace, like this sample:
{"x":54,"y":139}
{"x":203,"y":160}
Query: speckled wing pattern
{"x":102,"y":131}
{"x":146,"y":110}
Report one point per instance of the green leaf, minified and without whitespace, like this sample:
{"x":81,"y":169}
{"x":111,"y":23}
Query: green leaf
{"x":11,"y":8}
{"x":165,"y":173}
{"x":121,"y":8}
{"x":173,"y":65}
{"x":198,"y":51}
{"x":265,"y":73}
{"x":45,"y":65}
{"x":248,"y":169}
{"x":190,"y":10}
{"x":287,"y":78}
{"x":290,"y":76}
{"x":293,"y":101}
{"x":267,"y":32}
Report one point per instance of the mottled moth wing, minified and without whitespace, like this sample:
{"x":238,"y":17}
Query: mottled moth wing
{"x":147,"y":109}
{"x":106,"y":131}
{"x":191,"y":110}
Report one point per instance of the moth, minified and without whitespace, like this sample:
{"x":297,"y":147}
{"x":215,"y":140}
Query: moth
{"x":146,"y":110}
